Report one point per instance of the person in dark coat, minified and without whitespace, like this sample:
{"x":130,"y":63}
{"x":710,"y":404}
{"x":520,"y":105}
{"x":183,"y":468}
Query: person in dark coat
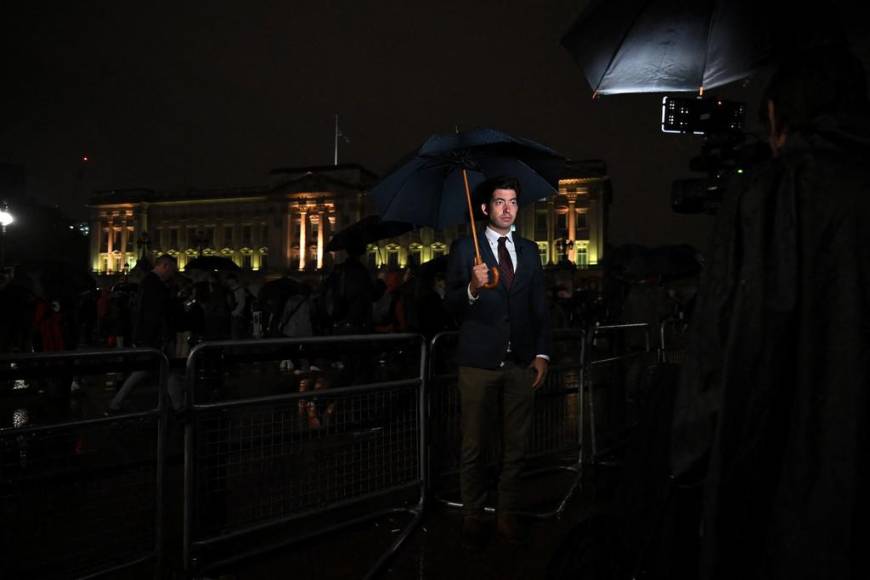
{"x":152,"y":327}
{"x":773,"y":402}
{"x":503,"y":353}
{"x":348,"y":294}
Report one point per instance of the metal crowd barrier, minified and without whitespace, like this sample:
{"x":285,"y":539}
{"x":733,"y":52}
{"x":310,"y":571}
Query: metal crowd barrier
{"x":287,"y":439}
{"x":556,"y":435}
{"x":610,"y":349}
{"x":81,"y":493}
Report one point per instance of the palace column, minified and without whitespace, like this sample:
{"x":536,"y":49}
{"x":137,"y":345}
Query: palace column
{"x":123,"y":243}
{"x":288,"y":237}
{"x":321,"y":224}
{"x":331,"y":221}
{"x":303,"y":226}
{"x":572,"y":231}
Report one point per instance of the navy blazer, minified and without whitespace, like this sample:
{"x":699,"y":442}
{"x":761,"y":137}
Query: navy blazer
{"x":519,"y":316}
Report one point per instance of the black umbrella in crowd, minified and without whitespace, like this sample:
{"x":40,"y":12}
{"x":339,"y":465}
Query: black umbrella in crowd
{"x":53,"y":279}
{"x":212,"y":264}
{"x":433,"y":186}
{"x":368,"y":230}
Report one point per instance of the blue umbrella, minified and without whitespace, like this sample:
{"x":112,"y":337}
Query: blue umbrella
{"x":432,"y":186}
{"x":427,"y":188}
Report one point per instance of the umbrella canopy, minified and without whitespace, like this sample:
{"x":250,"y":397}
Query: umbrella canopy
{"x":368,"y":230}
{"x":647,"y":46}
{"x":51,"y":279}
{"x":427,"y":187}
{"x":274,"y":293}
{"x":437,"y":265}
{"x":212,"y":263}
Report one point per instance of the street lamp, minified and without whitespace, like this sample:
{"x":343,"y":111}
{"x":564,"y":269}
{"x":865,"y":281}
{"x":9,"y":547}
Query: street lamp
{"x":6,"y":219}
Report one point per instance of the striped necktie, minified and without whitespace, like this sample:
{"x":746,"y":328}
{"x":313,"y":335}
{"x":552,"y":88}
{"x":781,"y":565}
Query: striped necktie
{"x":505,"y":265}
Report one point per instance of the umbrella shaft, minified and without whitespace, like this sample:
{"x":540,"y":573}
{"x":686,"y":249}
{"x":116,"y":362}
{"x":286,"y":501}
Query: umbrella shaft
{"x":471,"y":215}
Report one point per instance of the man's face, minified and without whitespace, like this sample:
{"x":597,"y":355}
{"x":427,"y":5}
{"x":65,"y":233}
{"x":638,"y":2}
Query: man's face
{"x":502,"y":208}
{"x":166,"y":270}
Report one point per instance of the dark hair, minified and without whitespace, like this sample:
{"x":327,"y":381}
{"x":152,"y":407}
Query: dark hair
{"x":488,"y":187}
{"x":165,"y":259}
{"x":811,"y":83}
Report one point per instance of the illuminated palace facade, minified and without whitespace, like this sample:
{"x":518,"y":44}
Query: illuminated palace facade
{"x":286,"y":225}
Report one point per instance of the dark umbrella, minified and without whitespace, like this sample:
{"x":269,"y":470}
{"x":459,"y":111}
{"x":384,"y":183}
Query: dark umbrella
{"x":280,"y":289}
{"x":212,"y":263}
{"x":436,"y":265}
{"x":644,"y":46}
{"x":53,"y":279}
{"x":432,"y":186}
{"x":368,"y":230}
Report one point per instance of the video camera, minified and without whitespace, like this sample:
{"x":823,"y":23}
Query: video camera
{"x":725,"y":152}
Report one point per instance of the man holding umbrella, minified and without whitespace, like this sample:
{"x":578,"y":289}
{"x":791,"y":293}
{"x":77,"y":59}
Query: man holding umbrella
{"x":503,"y":353}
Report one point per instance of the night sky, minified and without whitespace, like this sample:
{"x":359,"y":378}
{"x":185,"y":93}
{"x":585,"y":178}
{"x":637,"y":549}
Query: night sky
{"x":216,"y":94}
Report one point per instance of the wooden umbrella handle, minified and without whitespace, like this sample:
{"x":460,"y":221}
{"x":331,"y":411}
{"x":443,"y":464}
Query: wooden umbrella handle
{"x":493,"y":272}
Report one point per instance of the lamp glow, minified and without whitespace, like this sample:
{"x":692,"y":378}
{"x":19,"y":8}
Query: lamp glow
{"x":6,"y":218}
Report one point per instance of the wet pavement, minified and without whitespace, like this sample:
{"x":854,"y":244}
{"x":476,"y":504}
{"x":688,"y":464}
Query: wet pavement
{"x":434,"y":550}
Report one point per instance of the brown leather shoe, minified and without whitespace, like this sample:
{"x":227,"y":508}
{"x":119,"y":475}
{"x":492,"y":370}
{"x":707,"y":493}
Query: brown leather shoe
{"x":473,"y":533}
{"x":512,"y":530}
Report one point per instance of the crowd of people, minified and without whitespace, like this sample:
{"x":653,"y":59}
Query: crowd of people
{"x":201,"y":306}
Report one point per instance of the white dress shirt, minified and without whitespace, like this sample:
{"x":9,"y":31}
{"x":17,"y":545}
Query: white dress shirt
{"x":492,"y":237}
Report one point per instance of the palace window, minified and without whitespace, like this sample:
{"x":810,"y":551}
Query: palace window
{"x":173,"y":238}
{"x":228,"y":236}
{"x":372,"y":256}
{"x":246,"y":236}
{"x":540,"y":224}
{"x":543,"y":253}
{"x":582,"y":220}
{"x":393,"y":255}
{"x":582,"y":255}
{"x":191,"y":237}
{"x":415,"y":255}
{"x":439,"y":249}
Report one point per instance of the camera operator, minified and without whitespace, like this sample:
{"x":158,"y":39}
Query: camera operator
{"x":773,"y":400}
